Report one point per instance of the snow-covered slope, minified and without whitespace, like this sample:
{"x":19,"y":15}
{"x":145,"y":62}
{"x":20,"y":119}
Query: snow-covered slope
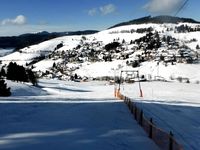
{"x":69,"y":115}
{"x":85,"y":115}
{"x":86,"y":55}
{"x":4,"y":52}
{"x":72,"y":115}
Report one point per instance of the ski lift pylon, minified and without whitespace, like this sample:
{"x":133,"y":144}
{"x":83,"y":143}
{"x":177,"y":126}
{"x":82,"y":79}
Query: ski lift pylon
{"x":128,"y":71}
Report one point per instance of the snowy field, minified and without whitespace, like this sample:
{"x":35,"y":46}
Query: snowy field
{"x":68,"y":115}
{"x":71,"y":115}
{"x":174,"y":107}
{"x":4,"y":52}
{"x":99,"y":69}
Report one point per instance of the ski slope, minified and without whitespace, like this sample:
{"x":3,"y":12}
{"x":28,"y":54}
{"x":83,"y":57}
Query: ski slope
{"x":173,"y":106}
{"x":84,"y":115}
{"x":32,"y":118}
{"x":67,"y":115}
{"x":94,"y":69}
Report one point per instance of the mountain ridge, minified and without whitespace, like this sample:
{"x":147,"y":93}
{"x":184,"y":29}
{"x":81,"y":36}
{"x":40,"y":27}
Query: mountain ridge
{"x":156,"y":20}
{"x":157,"y":50}
{"x":27,"y":39}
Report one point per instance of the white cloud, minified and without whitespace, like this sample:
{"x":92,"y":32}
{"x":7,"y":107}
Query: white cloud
{"x":30,"y":28}
{"x":93,"y":12}
{"x":107,"y":9}
{"x":19,"y":20}
{"x":163,"y":6}
{"x":103,"y":10}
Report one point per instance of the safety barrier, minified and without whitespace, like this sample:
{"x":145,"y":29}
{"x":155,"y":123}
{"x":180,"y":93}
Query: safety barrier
{"x":163,"y":139}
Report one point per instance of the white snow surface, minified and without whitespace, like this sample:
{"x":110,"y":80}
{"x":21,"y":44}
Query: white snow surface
{"x":27,"y":54}
{"x":66,"y":115}
{"x":173,"y":106}
{"x":69,"y":115}
{"x":4,"y":52}
{"x":85,"y":115}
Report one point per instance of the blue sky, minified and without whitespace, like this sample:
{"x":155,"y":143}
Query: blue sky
{"x":22,"y":16}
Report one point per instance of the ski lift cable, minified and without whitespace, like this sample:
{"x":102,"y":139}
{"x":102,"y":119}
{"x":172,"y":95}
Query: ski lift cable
{"x":182,"y":6}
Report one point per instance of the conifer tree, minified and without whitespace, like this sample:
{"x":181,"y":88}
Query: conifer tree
{"x":32,"y":77}
{"x":4,"y":91}
{"x":3,"y":72}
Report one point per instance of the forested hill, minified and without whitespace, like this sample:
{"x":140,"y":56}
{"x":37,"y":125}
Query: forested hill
{"x":25,"y":40}
{"x":157,"y":20}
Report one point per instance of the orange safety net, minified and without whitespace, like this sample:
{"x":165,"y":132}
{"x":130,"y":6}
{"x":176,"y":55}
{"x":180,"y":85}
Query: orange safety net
{"x":164,"y":140}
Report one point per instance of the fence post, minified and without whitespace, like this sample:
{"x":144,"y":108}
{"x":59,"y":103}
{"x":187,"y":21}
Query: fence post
{"x":151,"y":129}
{"x":129,"y":104}
{"x":141,"y":118}
{"x":171,"y":141}
{"x":135,"y":112}
{"x":131,"y":109}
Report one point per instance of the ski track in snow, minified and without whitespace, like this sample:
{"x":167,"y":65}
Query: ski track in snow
{"x":68,"y":119}
{"x":178,"y":123}
{"x":171,"y":109}
{"x":173,"y":106}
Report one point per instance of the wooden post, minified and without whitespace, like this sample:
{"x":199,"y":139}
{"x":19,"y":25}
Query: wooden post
{"x":171,"y":141}
{"x":135,"y":112}
{"x":141,"y":118}
{"x":131,"y":109}
{"x":151,"y":129}
{"x":129,"y":104}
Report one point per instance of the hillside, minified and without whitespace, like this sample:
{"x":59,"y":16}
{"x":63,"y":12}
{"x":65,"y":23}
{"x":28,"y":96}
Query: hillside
{"x":157,"y":20}
{"x":169,"y":51}
{"x":24,"y":40}
{"x":65,"y":112}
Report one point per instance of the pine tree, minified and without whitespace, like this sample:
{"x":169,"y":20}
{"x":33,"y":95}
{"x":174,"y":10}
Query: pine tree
{"x":11,"y":70}
{"x":32,"y":77}
{"x":3,"y":72}
{"x":4,"y":91}
{"x":54,"y":65}
{"x":16,"y":73}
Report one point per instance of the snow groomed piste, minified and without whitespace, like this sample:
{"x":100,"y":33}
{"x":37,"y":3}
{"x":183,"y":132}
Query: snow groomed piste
{"x":164,"y":140}
{"x":173,"y":107}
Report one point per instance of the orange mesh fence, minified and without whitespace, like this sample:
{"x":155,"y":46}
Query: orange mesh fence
{"x":146,"y":126}
{"x":164,"y":140}
{"x":160,"y":138}
{"x":176,"y":146}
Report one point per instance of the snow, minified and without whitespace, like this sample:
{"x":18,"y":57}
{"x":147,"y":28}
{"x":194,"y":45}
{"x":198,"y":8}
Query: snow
{"x":174,"y":107}
{"x":45,"y":64}
{"x":85,"y":115}
{"x":71,"y":115}
{"x":4,"y":52}
{"x":99,"y":69}
{"x":68,"y":115}
{"x":171,"y":71}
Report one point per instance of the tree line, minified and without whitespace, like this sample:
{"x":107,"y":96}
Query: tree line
{"x":16,"y":73}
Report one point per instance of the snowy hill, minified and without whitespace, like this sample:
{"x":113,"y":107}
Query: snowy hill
{"x":24,"y":40}
{"x":157,"y":20}
{"x":168,"y":50}
{"x":60,"y":114}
